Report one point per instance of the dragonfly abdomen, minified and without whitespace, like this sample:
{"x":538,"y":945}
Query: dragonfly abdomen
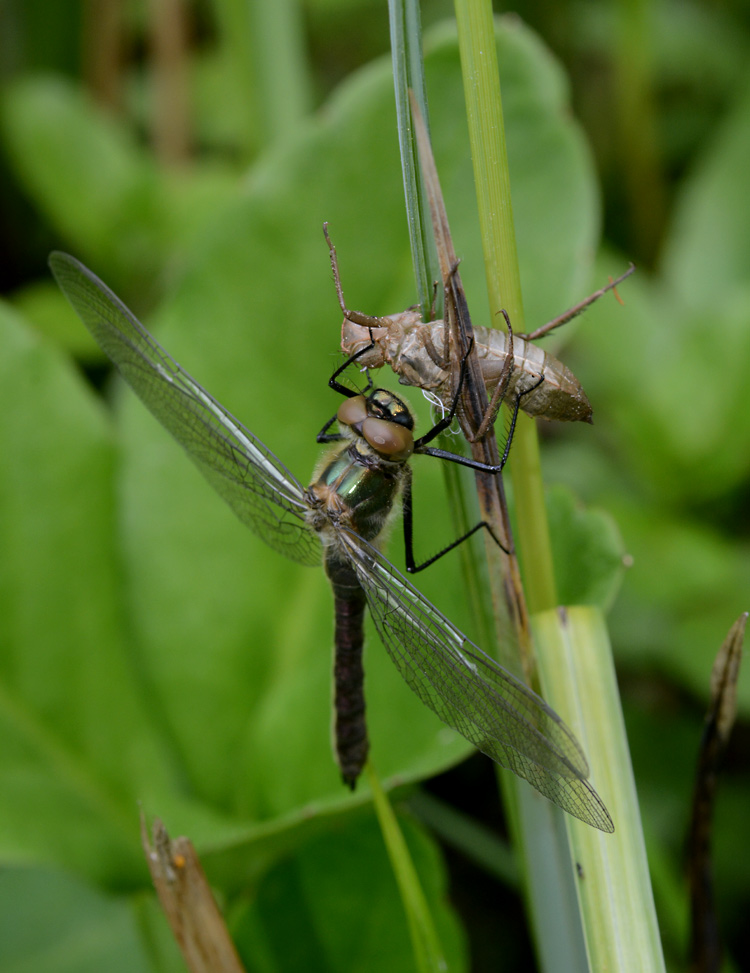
{"x":355,"y":492}
{"x":350,"y":729}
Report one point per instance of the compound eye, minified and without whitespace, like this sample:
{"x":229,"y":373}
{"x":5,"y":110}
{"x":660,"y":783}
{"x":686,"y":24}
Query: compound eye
{"x":353,"y":411}
{"x":389,"y":439}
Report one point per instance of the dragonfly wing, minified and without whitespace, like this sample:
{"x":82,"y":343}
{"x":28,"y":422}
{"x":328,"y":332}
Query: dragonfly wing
{"x":469,"y":691}
{"x":256,"y":485}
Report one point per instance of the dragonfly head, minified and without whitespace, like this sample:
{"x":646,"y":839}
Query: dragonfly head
{"x":383,"y":420}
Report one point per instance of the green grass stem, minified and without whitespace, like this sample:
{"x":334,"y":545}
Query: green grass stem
{"x":428,"y":953}
{"x":612,"y":879}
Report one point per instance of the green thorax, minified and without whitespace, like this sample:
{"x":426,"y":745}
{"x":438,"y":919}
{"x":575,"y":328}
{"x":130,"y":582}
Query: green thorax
{"x":365,"y":487}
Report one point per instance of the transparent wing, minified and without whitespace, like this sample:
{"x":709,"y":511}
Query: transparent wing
{"x":256,"y":485}
{"x":488,"y":705}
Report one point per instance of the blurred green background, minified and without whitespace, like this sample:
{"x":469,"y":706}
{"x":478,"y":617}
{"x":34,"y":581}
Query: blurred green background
{"x":150,"y":649}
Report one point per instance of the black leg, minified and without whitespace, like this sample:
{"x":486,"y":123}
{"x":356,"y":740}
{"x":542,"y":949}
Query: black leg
{"x":365,"y":320}
{"x":447,"y":419}
{"x":408,"y":504}
{"x":475,"y":464}
{"x":342,"y":389}
{"x":325,"y":437}
{"x":408,"y":512}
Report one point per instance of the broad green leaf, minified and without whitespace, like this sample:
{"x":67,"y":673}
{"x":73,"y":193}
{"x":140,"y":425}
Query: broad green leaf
{"x":314,"y":911}
{"x":53,"y":923}
{"x":79,"y":744}
{"x":45,"y":307}
{"x":700,"y":577}
{"x":588,"y":551}
{"x":68,"y":702}
{"x":84,"y":171}
{"x":707,"y":253}
{"x":99,"y":189}
{"x":669,"y":385}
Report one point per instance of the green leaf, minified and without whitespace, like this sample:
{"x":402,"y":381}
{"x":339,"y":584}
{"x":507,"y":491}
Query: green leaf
{"x":53,"y":923}
{"x":701,"y":579}
{"x":668,"y":385}
{"x":84,"y":171}
{"x":315,"y":911}
{"x":425,"y":942}
{"x":99,"y":189}
{"x":45,"y":307}
{"x":67,"y":701}
{"x":588,"y":551}
{"x":80,"y":747}
{"x":707,"y":252}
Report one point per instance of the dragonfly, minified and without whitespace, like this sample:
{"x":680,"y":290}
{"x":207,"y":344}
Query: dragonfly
{"x":337,"y":521}
{"x":418,"y":351}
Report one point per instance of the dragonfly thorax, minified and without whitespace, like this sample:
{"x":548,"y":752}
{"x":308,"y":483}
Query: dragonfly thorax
{"x":383,"y":421}
{"x":355,"y":489}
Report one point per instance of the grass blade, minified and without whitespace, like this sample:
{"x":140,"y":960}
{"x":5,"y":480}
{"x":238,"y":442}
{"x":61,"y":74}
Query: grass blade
{"x":428,"y":953}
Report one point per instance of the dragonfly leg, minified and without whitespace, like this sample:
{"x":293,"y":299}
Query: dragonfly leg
{"x":408,"y":511}
{"x":513,"y":419}
{"x":437,"y":358}
{"x":356,"y":317}
{"x":342,"y":389}
{"x":500,"y":389}
{"x":442,"y":424}
{"x":475,"y":464}
{"x":325,"y":437}
{"x":577,"y":308}
{"x":408,"y":504}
